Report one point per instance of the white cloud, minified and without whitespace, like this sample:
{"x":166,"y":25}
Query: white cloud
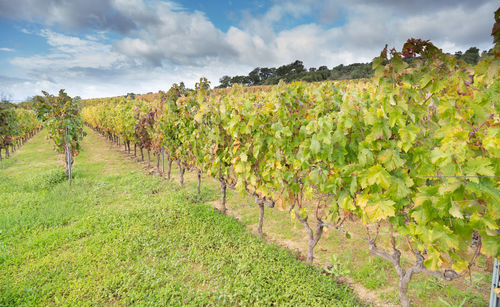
{"x":73,"y":15}
{"x":163,"y":43}
{"x":7,"y":49}
{"x":173,"y":36}
{"x":70,"y":52}
{"x":369,"y":26}
{"x":456,"y":27}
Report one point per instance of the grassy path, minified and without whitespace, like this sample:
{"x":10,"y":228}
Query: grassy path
{"x":118,"y":236}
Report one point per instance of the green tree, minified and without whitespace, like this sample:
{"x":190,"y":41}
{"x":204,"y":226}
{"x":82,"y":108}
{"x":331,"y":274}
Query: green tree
{"x":471,"y":56}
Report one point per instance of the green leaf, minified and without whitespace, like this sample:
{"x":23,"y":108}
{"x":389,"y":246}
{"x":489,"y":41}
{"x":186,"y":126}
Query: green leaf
{"x":455,"y":211}
{"x":303,"y":213}
{"x":419,"y":215}
{"x":354,"y":185}
{"x":432,"y":262}
{"x":365,"y":157}
{"x":437,"y":155}
{"x":239,"y":167}
{"x":390,"y":159}
{"x":490,"y":246}
{"x":377,"y":175}
{"x":460,"y":266}
{"x":315,"y":146}
{"x":377,"y":62}
{"x":400,"y":189}
{"x":315,"y":176}
{"x":446,"y":187}
{"x":380,"y":210}
{"x":479,"y":166}
{"x":488,"y":191}
{"x":346,"y":203}
{"x":424,"y":81}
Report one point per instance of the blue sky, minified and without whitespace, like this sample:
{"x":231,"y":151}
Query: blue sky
{"x":99,"y":48}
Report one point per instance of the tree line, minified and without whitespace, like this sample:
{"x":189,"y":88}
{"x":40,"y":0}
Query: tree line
{"x":296,"y":71}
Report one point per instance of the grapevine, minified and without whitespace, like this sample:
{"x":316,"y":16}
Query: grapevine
{"x":61,"y":117}
{"x":17,"y":125}
{"x":414,"y":150}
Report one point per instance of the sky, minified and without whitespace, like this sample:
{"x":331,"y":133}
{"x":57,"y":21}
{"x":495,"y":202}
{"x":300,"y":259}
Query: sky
{"x":102,"y":48}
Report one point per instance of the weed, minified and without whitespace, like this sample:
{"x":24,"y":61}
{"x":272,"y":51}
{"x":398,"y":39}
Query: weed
{"x":336,"y":267}
{"x":47,"y":180}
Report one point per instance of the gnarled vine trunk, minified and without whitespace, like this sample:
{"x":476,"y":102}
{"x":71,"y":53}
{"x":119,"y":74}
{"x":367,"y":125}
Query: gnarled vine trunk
{"x":406,"y":275}
{"x":169,"y":170}
{"x":261,"y":218}
{"x":313,"y":236}
{"x":158,"y":163}
{"x":181,"y":173}
{"x":198,"y":188}
{"x":261,"y":201}
{"x":223,"y":189}
{"x":66,"y":164}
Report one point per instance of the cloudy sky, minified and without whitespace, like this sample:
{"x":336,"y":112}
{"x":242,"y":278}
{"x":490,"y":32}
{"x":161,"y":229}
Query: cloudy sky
{"x":99,"y":48}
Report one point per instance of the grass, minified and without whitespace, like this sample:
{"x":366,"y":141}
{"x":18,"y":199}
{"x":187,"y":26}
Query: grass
{"x":119,"y":237}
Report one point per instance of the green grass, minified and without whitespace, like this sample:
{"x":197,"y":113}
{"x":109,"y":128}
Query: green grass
{"x":118,"y":236}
